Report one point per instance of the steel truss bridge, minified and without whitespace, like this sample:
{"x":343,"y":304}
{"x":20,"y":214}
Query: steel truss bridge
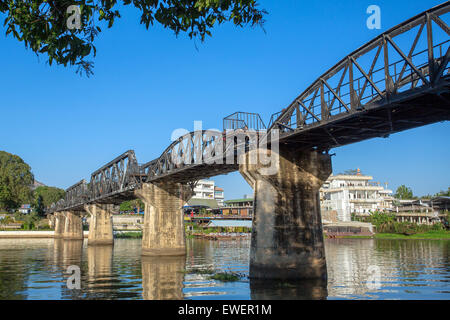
{"x":397,"y":81}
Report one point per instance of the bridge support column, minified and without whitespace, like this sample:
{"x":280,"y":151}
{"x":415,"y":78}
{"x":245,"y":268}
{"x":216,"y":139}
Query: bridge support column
{"x":163,"y":232}
{"x":73,"y":227}
{"x":101,"y":224}
{"x":51,"y":221}
{"x":59,"y":224}
{"x":287,"y":240}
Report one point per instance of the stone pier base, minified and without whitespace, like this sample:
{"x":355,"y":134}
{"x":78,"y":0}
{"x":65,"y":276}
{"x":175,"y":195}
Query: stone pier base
{"x":73,"y":227}
{"x":51,"y":221}
{"x":101,"y":224}
{"x":163,"y":233}
{"x":60,"y":221}
{"x":287,"y":239}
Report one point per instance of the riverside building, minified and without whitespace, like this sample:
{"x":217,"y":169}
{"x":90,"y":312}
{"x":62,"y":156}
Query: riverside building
{"x":341,"y":195}
{"x":207,"y":194}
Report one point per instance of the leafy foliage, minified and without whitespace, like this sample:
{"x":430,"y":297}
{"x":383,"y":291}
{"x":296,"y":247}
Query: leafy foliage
{"x":385,"y":223}
{"x":42,"y":24}
{"x":131,"y":205}
{"x":39,"y":206}
{"x":351,"y":172}
{"x":49,"y":195}
{"x":30,"y":221}
{"x":443,"y":193}
{"x":403,"y":192}
{"x":15,"y":181}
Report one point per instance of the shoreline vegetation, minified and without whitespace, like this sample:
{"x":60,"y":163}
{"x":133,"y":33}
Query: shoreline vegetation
{"x":208,"y":235}
{"x":384,"y":224}
{"x":211,"y":274}
{"x":429,"y":235}
{"x":128,"y":234}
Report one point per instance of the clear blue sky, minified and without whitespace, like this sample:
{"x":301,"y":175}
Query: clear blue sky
{"x":148,"y":83}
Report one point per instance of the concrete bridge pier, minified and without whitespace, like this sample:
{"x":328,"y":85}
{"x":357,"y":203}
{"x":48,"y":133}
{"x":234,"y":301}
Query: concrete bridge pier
{"x":51,"y":220}
{"x":163,"y":233}
{"x":73,"y":227}
{"x":287,"y":240}
{"x":101,"y":224}
{"x":59,"y":224}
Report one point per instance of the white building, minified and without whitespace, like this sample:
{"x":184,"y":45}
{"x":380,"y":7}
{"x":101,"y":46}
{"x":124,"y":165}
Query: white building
{"x":25,"y":209}
{"x":206,"y":189}
{"x":347,"y":194}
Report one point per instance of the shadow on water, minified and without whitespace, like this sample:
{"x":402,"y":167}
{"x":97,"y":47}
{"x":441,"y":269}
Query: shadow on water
{"x":162,"y":277}
{"x":288,"y":289}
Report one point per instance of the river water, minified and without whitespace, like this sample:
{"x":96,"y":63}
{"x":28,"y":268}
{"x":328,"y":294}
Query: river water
{"x":357,"y":269}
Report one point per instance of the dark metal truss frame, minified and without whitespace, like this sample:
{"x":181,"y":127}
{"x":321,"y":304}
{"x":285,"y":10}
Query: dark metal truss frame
{"x":353,"y":101}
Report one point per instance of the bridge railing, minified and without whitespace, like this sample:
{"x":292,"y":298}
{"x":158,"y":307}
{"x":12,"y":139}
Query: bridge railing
{"x":244,"y":120}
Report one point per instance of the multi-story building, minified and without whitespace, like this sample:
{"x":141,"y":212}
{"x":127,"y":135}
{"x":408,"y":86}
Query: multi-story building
{"x":219,"y":195}
{"x":347,"y":194}
{"x":207,"y":190}
{"x":204,"y":189}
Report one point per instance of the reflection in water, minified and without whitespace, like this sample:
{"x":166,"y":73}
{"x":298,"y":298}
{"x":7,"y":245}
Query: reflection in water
{"x":288,"y":289}
{"x":36,"y":269}
{"x":162,"y":277}
{"x":67,"y":253}
{"x":220,"y":256}
{"x":100,"y":274}
{"x":100,"y":260}
{"x":405,"y":267}
{"x":347,"y":265}
{"x":13,"y":275}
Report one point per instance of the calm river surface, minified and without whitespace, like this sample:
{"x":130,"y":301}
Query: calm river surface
{"x":36,"y":269}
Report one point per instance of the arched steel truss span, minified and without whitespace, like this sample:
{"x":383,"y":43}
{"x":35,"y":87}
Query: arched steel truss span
{"x":397,"y":81}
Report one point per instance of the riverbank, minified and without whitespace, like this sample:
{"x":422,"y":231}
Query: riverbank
{"x":430,"y":235}
{"x":30,"y":234}
{"x":135,"y":234}
{"x":222,"y":236}
{"x":436,"y":235}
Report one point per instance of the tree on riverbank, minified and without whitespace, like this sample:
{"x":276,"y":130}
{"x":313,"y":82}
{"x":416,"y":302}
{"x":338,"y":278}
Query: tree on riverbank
{"x":131,"y":205}
{"x":39,"y":206}
{"x":404,"y":193}
{"x":65,"y":30}
{"x":15,"y":181}
{"x":443,"y":193}
{"x":49,"y":195}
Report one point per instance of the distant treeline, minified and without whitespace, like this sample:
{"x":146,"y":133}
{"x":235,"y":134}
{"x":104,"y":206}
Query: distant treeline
{"x":16,"y":186}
